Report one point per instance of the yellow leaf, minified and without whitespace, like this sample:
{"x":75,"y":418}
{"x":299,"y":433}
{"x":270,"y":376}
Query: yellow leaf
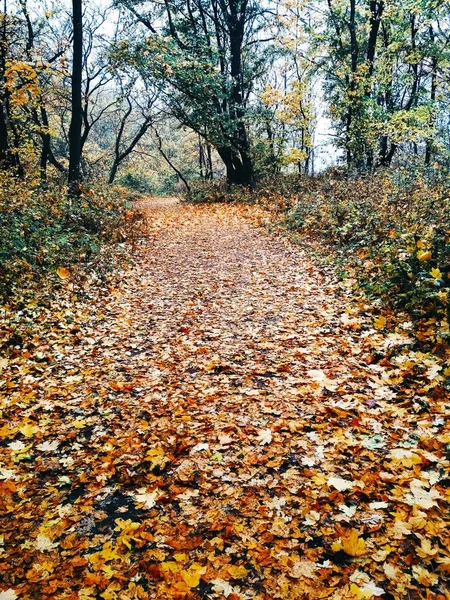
{"x":180,"y":556}
{"x":191,"y":577}
{"x":169,"y":566}
{"x":420,"y":244}
{"x":423,"y":255}
{"x":79,"y":423}
{"x":436,"y":273}
{"x":108,"y":552}
{"x":360,"y":593}
{"x":426,"y":549}
{"x":353,"y":545}
{"x":237,"y":572}
{"x":28,"y":430}
{"x":62,"y":272}
{"x":380,"y":322}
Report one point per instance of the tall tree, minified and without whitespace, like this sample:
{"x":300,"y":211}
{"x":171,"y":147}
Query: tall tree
{"x":209,"y":52}
{"x":77,"y":107}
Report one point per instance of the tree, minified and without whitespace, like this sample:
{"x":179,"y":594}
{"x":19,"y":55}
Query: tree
{"x":134,"y":120}
{"x":9,"y":135}
{"x":76,"y":123}
{"x":209,"y":53}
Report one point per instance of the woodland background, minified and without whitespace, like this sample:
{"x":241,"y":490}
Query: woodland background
{"x":332,"y":113}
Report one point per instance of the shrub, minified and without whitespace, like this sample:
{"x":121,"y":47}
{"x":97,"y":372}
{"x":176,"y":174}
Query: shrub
{"x":42,"y":229}
{"x":390,"y":231}
{"x":135,"y":181}
{"x":216,"y":191}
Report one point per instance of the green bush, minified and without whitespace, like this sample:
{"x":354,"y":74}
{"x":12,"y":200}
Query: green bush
{"x":136,"y":182}
{"x":42,"y":230}
{"x":391,"y":230}
{"x":209,"y":192}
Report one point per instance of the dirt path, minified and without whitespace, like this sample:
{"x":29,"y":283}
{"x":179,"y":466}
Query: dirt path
{"x":214,"y":431}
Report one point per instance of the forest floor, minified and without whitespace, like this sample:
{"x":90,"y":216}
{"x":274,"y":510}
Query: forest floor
{"x":222,"y":424}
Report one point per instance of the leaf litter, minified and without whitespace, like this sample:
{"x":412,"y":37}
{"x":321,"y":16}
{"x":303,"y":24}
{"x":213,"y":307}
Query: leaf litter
{"x":220,"y":424}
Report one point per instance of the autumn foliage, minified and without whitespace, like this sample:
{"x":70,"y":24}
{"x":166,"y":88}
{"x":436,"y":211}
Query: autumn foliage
{"x":221,"y":425}
{"x":387,"y":235}
{"x":44,"y":234}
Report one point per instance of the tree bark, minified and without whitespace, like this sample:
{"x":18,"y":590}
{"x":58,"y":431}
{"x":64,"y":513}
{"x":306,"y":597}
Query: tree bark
{"x":433,"y":89}
{"x":77,"y":109}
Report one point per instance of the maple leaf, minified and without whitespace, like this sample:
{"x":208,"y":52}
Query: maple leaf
{"x":312,"y":517}
{"x":62,"y":272}
{"x":216,"y":457}
{"x":351,"y":544}
{"x":421,"y":497}
{"x":366,"y":591}
{"x":48,"y":446}
{"x":433,"y":372}
{"x":8,"y":595}
{"x":225,"y":440}
{"x":192,"y":576}
{"x":380,"y":322}
{"x":200,"y":447}
{"x":340,"y":484}
{"x":319,"y":376}
{"x":148,"y":500}
{"x":17,"y":446}
{"x":222,"y":587}
{"x":28,"y":430}
{"x":424,"y":577}
{"x":7,"y":474}
{"x":405,"y":457}
{"x":426,"y":550}
{"x":264,"y":436}
{"x":44,"y":543}
{"x":237,"y":572}
{"x":303,"y":568}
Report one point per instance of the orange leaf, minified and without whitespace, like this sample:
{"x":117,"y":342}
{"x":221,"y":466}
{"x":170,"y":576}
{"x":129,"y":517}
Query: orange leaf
{"x":121,"y":386}
{"x":62,"y":272}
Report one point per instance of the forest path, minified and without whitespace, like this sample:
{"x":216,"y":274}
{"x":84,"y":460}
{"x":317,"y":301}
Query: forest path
{"x":216,"y":433}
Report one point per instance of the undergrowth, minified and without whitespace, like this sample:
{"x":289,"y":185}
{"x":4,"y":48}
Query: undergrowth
{"x":46,"y":236}
{"x":388,"y":232}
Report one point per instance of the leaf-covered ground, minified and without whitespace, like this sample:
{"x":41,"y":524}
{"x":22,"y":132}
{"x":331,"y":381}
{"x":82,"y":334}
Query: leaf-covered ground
{"x":221,"y":425}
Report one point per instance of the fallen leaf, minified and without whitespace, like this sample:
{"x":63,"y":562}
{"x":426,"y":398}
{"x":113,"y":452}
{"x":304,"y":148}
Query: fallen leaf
{"x":8,"y":595}
{"x":28,"y":430}
{"x":264,"y":436}
{"x":353,"y":545}
{"x":62,"y":272}
{"x":380,"y":322}
{"x":340,"y":484}
{"x":237,"y":572}
{"x":303,"y":568}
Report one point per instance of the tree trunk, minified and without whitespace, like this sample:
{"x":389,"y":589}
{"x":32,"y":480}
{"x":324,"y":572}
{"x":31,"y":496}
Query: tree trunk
{"x":77,"y":109}
{"x":238,"y":171}
{"x":4,"y":145}
{"x":434,"y":64}
{"x":113,"y":172}
{"x":209,"y":162}
{"x":242,"y":172}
